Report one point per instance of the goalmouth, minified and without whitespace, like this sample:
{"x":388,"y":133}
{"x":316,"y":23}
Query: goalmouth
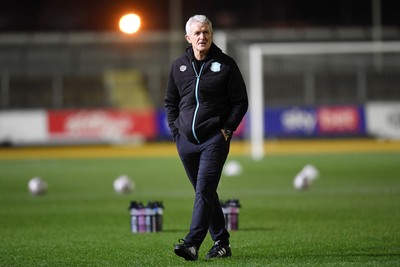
{"x":257,"y":52}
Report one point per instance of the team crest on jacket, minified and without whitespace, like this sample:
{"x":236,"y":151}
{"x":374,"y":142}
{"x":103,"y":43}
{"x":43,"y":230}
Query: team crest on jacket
{"x":215,"y":67}
{"x":182,"y":68}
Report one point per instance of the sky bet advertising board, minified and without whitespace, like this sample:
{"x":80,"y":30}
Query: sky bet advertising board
{"x":314,"y":121}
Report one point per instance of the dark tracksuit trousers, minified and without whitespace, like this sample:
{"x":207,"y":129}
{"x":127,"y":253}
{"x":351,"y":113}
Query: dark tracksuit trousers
{"x":203,"y":164}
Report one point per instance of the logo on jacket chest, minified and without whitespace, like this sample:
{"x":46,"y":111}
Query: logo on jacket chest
{"x":182,"y":68}
{"x":215,"y":67}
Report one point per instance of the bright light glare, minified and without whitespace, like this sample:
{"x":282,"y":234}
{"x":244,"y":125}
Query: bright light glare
{"x":129,"y":23}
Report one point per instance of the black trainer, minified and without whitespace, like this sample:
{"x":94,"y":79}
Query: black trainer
{"x":219,"y":251}
{"x":186,"y":250}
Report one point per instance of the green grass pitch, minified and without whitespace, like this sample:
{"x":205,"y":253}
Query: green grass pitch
{"x":349,"y":217}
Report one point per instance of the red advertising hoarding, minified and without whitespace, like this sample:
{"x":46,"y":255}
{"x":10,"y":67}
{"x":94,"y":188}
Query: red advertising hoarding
{"x":101,"y":124}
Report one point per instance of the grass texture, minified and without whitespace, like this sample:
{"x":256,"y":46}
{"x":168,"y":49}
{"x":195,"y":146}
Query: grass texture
{"x":349,"y":217}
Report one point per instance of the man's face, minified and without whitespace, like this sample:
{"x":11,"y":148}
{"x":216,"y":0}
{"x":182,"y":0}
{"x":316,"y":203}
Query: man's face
{"x":200,"y":36}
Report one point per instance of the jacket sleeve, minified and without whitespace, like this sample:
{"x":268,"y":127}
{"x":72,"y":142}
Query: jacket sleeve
{"x":238,"y":97}
{"x":171,"y":103}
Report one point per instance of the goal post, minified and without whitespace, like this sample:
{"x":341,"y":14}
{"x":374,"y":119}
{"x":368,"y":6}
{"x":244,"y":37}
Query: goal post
{"x":257,"y":51}
{"x":256,"y":102}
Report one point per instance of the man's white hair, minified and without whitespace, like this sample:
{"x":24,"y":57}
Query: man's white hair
{"x":197,"y":18}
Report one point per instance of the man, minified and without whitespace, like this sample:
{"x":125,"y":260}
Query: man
{"x":205,"y":101}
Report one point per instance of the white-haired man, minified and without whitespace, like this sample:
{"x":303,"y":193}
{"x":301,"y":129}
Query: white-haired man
{"x":205,"y":102}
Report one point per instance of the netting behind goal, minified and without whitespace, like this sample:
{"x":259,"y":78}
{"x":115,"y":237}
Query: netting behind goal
{"x":309,"y":74}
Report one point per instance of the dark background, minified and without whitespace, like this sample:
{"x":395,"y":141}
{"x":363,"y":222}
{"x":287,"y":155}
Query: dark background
{"x":103,"y":15}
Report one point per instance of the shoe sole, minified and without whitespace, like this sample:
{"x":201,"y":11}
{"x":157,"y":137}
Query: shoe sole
{"x":184,"y":255}
{"x":218,"y":257}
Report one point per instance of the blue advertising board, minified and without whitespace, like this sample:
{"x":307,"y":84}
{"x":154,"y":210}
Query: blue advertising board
{"x":322,"y":121}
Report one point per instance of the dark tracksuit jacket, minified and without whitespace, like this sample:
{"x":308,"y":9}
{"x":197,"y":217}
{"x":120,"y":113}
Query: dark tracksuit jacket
{"x":201,"y":100}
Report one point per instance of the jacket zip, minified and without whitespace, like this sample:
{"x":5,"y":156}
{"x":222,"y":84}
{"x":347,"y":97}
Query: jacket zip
{"x":197,"y":99}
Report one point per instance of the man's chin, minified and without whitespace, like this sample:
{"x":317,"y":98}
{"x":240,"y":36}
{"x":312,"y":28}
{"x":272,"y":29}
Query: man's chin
{"x":202,"y":48}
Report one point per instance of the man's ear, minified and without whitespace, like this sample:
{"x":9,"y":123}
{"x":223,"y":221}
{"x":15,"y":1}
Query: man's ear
{"x":187,"y":38}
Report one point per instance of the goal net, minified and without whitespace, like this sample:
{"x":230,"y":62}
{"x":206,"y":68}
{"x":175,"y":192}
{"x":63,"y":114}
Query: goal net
{"x":318,"y":73}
